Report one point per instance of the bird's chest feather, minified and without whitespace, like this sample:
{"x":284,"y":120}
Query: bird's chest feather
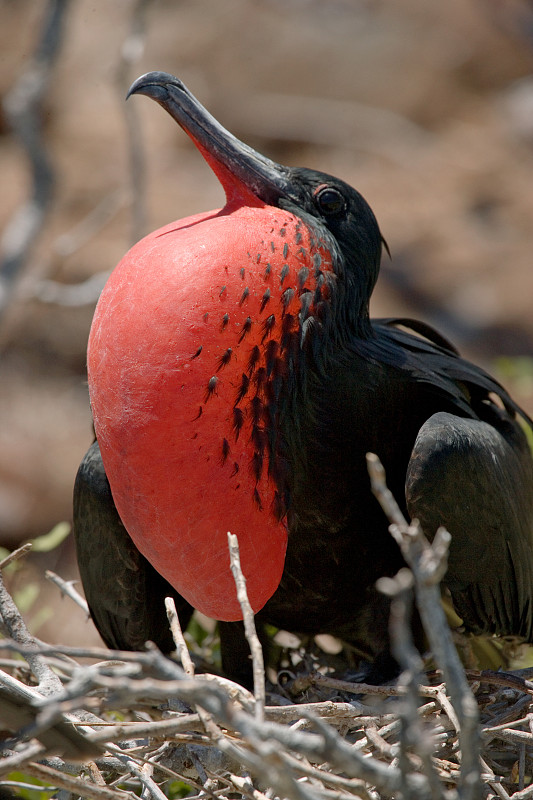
{"x":351,"y":407}
{"x":338,"y":543}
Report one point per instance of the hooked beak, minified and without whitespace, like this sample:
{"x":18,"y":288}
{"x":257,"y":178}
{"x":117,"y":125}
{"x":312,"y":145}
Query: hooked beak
{"x":236,"y":165}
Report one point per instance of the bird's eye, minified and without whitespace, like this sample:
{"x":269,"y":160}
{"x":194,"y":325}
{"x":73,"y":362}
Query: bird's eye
{"x":330,"y":201}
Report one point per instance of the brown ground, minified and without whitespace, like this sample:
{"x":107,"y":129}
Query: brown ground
{"x":427,"y":108}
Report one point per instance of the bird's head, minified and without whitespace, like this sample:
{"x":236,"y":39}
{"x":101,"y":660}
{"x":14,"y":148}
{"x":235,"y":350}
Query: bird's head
{"x":340,"y":218}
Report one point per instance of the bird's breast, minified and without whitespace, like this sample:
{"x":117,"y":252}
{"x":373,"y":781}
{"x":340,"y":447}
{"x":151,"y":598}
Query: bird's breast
{"x":191,"y":354}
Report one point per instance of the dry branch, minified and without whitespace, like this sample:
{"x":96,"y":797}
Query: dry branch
{"x":428,"y":564}
{"x":23,"y":106}
{"x":249,"y":626}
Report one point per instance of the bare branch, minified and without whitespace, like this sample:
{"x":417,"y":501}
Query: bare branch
{"x":428,"y":564}
{"x":67,"y":588}
{"x":20,"y":552}
{"x":177,"y":635}
{"x":23,"y":108}
{"x":48,"y":681}
{"x":249,"y":626}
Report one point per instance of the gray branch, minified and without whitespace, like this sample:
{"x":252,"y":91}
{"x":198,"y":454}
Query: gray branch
{"x":23,"y":107}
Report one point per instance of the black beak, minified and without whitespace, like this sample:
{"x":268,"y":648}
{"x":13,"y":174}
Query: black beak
{"x":225,"y":153}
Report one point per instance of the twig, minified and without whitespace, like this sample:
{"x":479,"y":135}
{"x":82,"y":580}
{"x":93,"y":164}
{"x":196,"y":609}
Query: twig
{"x":245,"y":786}
{"x":525,"y":794}
{"x":412,"y":734}
{"x":20,"y":552}
{"x":67,"y":588}
{"x":144,"y":774}
{"x":249,"y":627}
{"x":12,"y":761}
{"x":48,"y":681}
{"x":177,"y":635}
{"x":428,"y":564}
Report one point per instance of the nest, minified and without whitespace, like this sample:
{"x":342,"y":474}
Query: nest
{"x":96,"y":723}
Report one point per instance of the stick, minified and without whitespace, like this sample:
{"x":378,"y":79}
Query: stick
{"x":67,"y":588}
{"x":48,"y":681}
{"x":16,"y":554}
{"x":249,"y":627}
{"x":177,"y":635}
{"x":428,"y":564}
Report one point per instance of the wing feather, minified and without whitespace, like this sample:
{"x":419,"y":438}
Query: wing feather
{"x":475,"y":477}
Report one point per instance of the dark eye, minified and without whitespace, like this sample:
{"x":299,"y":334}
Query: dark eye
{"x":330,"y":201}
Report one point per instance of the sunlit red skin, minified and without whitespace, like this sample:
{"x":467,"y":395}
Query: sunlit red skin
{"x":172,"y":336}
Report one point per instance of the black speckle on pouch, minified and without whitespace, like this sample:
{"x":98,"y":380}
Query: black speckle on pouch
{"x":246,"y":328}
{"x":287,"y":297}
{"x":238,"y":421}
{"x":243,"y":388}
{"x":303,"y":275}
{"x":225,"y":450}
{"x":264,"y":300}
{"x":257,"y":500}
{"x":224,"y":358}
{"x":268,"y":324}
{"x":255,"y":355}
{"x":211,"y":387}
{"x":256,"y":466}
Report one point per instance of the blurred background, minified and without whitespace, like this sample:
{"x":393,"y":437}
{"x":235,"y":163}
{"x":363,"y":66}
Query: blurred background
{"x":426,"y":108}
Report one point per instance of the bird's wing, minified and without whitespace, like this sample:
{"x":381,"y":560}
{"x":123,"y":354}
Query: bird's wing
{"x":476,"y":478}
{"x":435,"y":363}
{"x":124,"y":592}
{"x":421,"y":328}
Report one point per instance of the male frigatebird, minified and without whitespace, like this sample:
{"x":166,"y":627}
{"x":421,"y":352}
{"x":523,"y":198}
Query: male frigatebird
{"x":237,"y":383}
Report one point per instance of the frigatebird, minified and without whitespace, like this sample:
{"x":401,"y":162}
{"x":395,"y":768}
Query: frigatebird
{"x":237,"y":383}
